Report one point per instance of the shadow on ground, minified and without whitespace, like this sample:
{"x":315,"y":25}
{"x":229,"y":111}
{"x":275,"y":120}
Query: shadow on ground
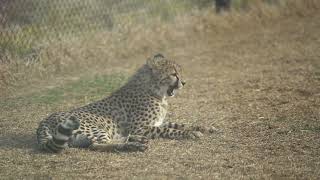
{"x":18,"y":141}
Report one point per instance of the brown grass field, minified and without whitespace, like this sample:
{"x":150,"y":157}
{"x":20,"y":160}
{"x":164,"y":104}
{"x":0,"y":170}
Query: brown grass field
{"x":255,"y":76}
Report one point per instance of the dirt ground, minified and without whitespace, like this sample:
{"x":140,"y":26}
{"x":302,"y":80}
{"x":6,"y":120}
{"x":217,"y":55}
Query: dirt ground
{"x":259,"y":86}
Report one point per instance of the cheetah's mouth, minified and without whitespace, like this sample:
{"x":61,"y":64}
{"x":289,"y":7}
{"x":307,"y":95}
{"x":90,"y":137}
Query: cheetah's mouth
{"x":170,"y":91}
{"x":172,"y":88}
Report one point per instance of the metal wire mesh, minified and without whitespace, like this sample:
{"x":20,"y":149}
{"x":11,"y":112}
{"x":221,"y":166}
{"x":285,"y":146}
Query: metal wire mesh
{"x":25,"y":23}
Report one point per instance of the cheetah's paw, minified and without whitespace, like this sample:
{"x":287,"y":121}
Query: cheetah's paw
{"x":195,"y":134}
{"x":205,"y":130}
{"x":135,"y":146}
{"x":138,"y":138}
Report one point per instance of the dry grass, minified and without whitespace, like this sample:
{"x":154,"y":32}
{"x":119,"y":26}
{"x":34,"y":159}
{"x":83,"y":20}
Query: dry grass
{"x":68,"y":55}
{"x":254,"y":75}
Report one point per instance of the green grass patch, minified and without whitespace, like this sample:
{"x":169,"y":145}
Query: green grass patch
{"x":83,"y":90}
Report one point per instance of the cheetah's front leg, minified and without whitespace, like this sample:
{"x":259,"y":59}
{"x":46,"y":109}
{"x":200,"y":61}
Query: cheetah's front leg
{"x":115,"y":147}
{"x":152,"y":132}
{"x":185,"y":127}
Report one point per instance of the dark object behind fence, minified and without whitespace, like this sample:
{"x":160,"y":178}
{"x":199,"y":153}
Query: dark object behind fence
{"x":222,"y":5}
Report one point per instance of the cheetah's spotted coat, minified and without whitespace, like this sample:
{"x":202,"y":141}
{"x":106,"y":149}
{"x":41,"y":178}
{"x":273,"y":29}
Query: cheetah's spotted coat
{"x":126,"y":119}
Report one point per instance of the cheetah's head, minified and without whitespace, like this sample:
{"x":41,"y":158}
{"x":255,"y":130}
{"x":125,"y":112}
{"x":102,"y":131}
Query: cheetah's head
{"x":166,"y":74}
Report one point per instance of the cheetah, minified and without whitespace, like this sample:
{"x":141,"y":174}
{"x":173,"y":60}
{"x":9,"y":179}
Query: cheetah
{"x":125,"y":120}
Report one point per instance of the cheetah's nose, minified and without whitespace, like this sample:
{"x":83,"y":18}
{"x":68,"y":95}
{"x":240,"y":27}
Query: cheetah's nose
{"x":183,"y":83}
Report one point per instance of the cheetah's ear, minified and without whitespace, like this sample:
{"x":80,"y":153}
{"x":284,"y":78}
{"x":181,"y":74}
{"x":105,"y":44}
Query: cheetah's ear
{"x":158,"y":56}
{"x":154,"y":61}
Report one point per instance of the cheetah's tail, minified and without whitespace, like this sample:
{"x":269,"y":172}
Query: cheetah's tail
{"x":57,"y":141}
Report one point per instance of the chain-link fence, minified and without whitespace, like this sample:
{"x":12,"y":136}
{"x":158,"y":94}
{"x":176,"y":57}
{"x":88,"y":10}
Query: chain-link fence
{"x":24,"y":24}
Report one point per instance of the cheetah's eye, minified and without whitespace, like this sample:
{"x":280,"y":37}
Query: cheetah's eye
{"x":174,"y":74}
